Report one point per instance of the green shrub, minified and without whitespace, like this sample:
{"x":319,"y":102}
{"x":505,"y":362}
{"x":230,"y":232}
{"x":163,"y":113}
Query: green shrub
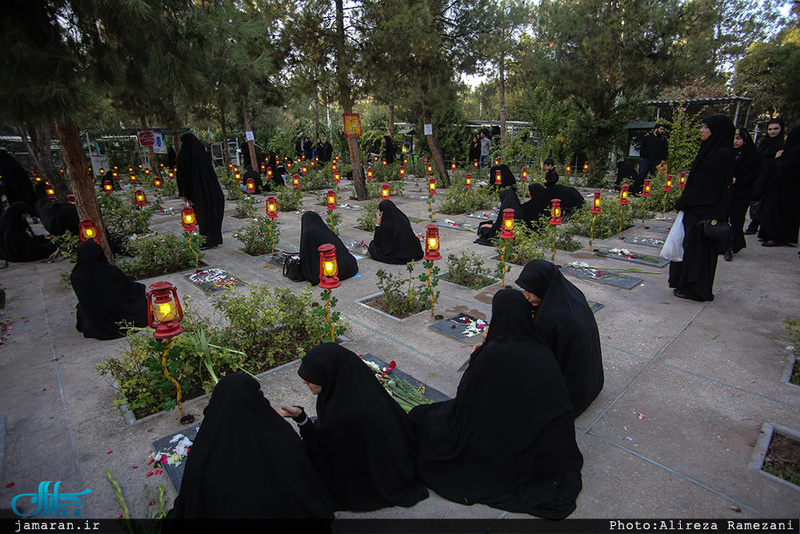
{"x":289,"y":198}
{"x":68,"y":243}
{"x":245,"y":208}
{"x":230,"y":184}
{"x":607,"y":222}
{"x":457,"y":200}
{"x":121,"y":215}
{"x":527,"y":245}
{"x":369,"y":216}
{"x":401,"y":297}
{"x":259,"y":236}
{"x":157,"y":255}
{"x":467,"y":270}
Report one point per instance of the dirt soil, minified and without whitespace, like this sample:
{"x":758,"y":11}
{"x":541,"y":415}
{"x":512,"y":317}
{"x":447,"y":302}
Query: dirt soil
{"x":784,"y":455}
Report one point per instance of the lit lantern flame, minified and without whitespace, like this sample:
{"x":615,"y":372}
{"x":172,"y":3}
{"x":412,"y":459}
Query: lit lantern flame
{"x":313,"y":164}
{"x":385,"y":191}
{"x":369,"y":173}
{"x":405,"y":160}
{"x":508,"y":224}
{"x":432,"y":242}
{"x":383,"y":162}
{"x":453,"y":165}
{"x":50,"y":192}
{"x":230,"y":166}
{"x":623,"y":195}
{"x":682,"y":179}
{"x":596,"y":201}
{"x":468,"y":181}
{"x":114,"y":175}
{"x":188,"y":219}
{"x":328,"y":267}
{"x":133,"y":178}
{"x":296,"y":181}
{"x":164,"y":311}
{"x":333,"y":166}
{"x":263,"y":168}
{"x":147,"y":172}
{"x":102,"y":171}
{"x":171,"y":174}
{"x":237,"y":176}
{"x":330,"y":199}
{"x":497,"y":179}
{"x":157,"y":183}
{"x":269,"y":173}
{"x":375,"y":159}
{"x":647,"y":187}
{"x":272,"y":207}
{"x":668,"y":185}
{"x":402,"y":172}
{"x":140,"y":198}
{"x":475,"y":164}
{"x":569,"y":168}
{"x":429,"y":168}
{"x":585,"y":167}
{"x":250,"y":186}
{"x":108,"y":187}
{"x":337,"y":177}
{"x":87,"y":229}
{"x":288,"y":165}
{"x":524,"y":174}
{"x":555,"y":212}
{"x":130,"y":170}
{"x":432,"y":185}
{"x":496,"y":161}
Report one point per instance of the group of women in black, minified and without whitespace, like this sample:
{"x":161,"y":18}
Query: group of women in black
{"x":507,"y":439}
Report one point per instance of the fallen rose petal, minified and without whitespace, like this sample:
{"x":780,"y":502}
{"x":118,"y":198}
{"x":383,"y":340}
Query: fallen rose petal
{"x":152,"y":503}
{"x":452,"y":326}
{"x":135,"y":466}
{"x":149,"y":473}
{"x":109,"y":452}
{"x":151,"y":461}
{"x":163,"y":459}
{"x":10,"y":485}
{"x":159,"y":471}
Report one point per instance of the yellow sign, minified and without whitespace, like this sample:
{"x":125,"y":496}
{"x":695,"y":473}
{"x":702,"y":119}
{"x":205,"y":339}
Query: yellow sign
{"x":352,"y":124}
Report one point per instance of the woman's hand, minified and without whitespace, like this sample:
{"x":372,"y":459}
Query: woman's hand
{"x":288,"y":411}
{"x":380,"y":217}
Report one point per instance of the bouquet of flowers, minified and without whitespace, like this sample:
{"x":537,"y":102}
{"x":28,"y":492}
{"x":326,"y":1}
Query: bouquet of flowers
{"x":406,"y":395}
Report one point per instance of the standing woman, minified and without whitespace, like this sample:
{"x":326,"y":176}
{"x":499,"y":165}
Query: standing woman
{"x":199,"y":185}
{"x":388,"y":149}
{"x":474,"y":151}
{"x":361,"y":443}
{"x":705,"y":198}
{"x":745,"y":173}
{"x":780,"y":218}
{"x":768,"y":149}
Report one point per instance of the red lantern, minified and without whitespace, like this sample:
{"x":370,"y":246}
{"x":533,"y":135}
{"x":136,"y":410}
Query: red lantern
{"x":102,"y":173}
{"x":333,"y":166}
{"x":383,"y":162}
{"x":405,"y":160}
{"x":555,"y":212}
{"x":337,"y":177}
{"x":272,"y":207}
{"x":164,"y":311}
{"x":585,"y":167}
{"x":496,"y":161}
{"x":296,"y":181}
{"x":646,"y":192}
{"x":668,"y":185}
{"x":188,"y":220}
{"x":432,"y":242}
{"x":140,"y":198}
{"x":71,"y":199}
{"x":50,"y":192}
{"x":313,"y":164}
{"x":375,"y":159}
{"x":230,"y":166}
{"x":475,"y":163}
{"x":432,"y":185}
{"x":429,"y":168}
{"x":569,"y":168}
{"x":385,"y":191}
{"x":87,"y":229}
{"x":623,"y":195}
{"x":108,"y":187}
{"x":133,"y":178}
{"x":263,"y":168}
{"x":468,"y":181}
{"x":596,"y":201}
{"x":330,"y":199}
{"x":682,"y":179}
{"x":171,"y":174}
{"x":157,"y":183}
{"x":251,"y":186}
{"x":402,"y":172}
{"x":453,"y":165}
{"x":369,"y":173}
{"x":237,"y":176}
{"x":328,"y":267}
{"x":114,"y":175}
{"x":147,"y":172}
{"x":524,"y":174}
{"x":288,"y":165}
{"x":130,"y":170}
{"x":507,"y":231}
{"x":425,"y":160}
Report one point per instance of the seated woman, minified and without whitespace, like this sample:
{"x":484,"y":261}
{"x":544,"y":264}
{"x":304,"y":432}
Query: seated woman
{"x":536,"y":206}
{"x":564,"y":320}
{"x":507,"y":440}
{"x":395,"y":241}
{"x":314,"y":233}
{"x":487,"y":230}
{"x":571,"y":198}
{"x":248,"y":462}
{"x":506,"y":176}
{"x":106,"y":296}
{"x":57,"y":217}
{"x":17,"y":240}
{"x":362,"y":442}
{"x":627,"y":174}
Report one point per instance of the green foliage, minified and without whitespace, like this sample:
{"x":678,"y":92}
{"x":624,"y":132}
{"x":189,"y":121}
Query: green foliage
{"x":157,"y":255}
{"x":68,"y":244}
{"x":401,"y":297}
{"x":527,"y":245}
{"x":457,"y":200}
{"x":770,"y":73}
{"x":283,"y":141}
{"x":289,"y":198}
{"x":683,"y":140}
{"x":244,"y":208}
{"x":258,"y":236}
{"x":230,"y":184}
{"x":121,"y":215}
{"x":467,"y":270}
{"x":607,"y":223}
{"x":793,"y":329}
{"x":333,"y":319}
{"x":332,"y":220}
{"x":169,"y":188}
{"x":272,"y":326}
{"x":369,"y":216}
{"x":662,"y":201}
{"x":431,"y":279}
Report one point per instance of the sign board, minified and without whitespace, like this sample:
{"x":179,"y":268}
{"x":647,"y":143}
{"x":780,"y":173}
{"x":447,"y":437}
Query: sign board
{"x":352,"y":124}
{"x":146,"y":138}
{"x":249,"y":136}
{"x":159,"y":147}
{"x":429,"y":129}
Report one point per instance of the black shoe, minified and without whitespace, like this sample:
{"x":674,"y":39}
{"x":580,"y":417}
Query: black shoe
{"x":771,"y":243}
{"x":686,"y":293}
{"x":206,"y":247}
{"x":728,"y":255}
{"x":751,"y":231}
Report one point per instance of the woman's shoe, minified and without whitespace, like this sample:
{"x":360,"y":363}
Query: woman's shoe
{"x":728,"y":255}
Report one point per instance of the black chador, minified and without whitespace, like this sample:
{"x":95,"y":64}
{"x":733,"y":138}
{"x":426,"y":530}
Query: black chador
{"x":395,"y":241}
{"x":198,"y":183}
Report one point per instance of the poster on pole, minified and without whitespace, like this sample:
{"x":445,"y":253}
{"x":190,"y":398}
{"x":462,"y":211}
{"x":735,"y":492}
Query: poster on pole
{"x":250,"y":136}
{"x":159,"y":147}
{"x":352,"y":124}
{"x":150,"y":138}
{"x":428,"y":129}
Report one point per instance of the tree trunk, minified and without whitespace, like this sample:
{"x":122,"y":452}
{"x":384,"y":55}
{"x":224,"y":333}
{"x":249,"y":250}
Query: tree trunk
{"x":153,"y":166}
{"x":82,"y":181}
{"x":176,"y":141}
{"x":41,"y":135}
{"x":436,"y":152}
{"x":251,"y":145}
{"x":346,"y":101}
{"x":502,"y":90}
{"x":226,"y":155}
{"x":391,"y":118}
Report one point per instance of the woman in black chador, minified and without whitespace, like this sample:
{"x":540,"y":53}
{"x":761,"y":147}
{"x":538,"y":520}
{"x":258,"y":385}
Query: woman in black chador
{"x":314,"y":233}
{"x":474,"y":152}
{"x":361,"y":443}
{"x":487,"y":230}
{"x":388,"y":149}
{"x":248,"y":462}
{"x":704,"y":198}
{"x":106,"y":296}
{"x":536,"y":206}
{"x":745,"y":173}
{"x":506,"y":176}
{"x":198,"y":183}
{"x":507,"y":440}
{"x":57,"y":217}
{"x":395,"y":241}
{"x":18,"y":184}
{"x":768,"y":149}
{"x":17,"y":241}
{"x":780,"y":217}
{"x":564,"y":320}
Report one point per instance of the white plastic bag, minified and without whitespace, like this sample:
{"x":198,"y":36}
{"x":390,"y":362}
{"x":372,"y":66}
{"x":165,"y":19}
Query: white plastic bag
{"x":673,"y":244}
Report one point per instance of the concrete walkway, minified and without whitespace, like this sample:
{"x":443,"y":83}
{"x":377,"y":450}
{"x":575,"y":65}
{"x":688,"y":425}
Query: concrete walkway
{"x":688,"y":385}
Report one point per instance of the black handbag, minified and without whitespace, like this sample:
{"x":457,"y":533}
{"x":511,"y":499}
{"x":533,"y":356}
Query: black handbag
{"x":292,"y":270}
{"x":717,"y":230}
